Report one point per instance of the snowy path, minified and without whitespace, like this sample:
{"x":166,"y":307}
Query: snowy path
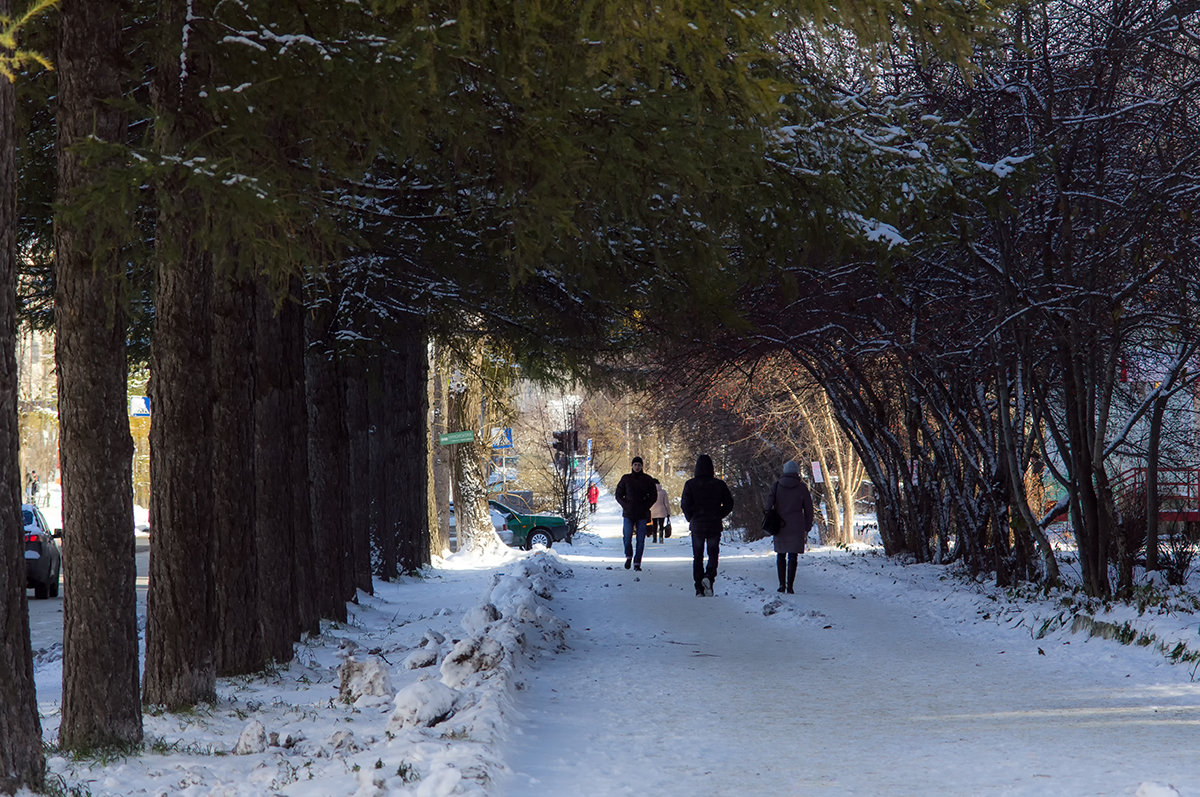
{"x":850,"y":689}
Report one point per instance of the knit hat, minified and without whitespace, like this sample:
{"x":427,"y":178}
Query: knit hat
{"x":791,"y":468}
{"x":638,"y":460}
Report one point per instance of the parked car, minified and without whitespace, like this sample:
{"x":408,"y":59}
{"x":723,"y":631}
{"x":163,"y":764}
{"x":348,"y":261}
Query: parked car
{"x":498,"y":521}
{"x":43,"y":559}
{"x":530,"y":530}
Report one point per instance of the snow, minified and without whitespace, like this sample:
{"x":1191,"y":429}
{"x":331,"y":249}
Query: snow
{"x":554,"y":672}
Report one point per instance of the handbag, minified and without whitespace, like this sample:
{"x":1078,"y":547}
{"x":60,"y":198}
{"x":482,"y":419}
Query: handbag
{"x":771,"y":522}
{"x":667,"y":528}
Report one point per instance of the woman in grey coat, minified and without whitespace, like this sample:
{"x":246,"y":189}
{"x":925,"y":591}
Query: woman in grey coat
{"x":791,"y":499}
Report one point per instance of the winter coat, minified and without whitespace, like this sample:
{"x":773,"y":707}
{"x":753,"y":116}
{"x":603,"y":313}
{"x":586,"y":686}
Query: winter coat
{"x":636,"y":493}
{"x":791,"y":499}
{"x":705,"y":500}
{"x":593,"y":494}
{"x":662,"y":507}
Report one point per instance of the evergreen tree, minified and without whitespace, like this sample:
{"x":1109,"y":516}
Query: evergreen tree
{"x":22,"y":764}
{"x":100,"y":639}
{"x":180,"y":628}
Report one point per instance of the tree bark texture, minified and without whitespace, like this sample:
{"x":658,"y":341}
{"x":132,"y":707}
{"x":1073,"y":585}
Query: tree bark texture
{"x":473,"y":523}
{"x":1153,"y":458}
{"x":101,"y":704}
{"x":358,"y":423}
{"x":1011,"y":444}
{"x":439,"y":476}
{"x":329,"y":463}
{"x":408,"y":380}
{"x":1091,"y":535}
{"x":22,"y":763}
{"x":274,"y":532}
{"x":304,"y":553}
{"x":180,"y":668}
{"x":238,"y":645}
{"x":180,"y":632}
{"x":384,"y":467}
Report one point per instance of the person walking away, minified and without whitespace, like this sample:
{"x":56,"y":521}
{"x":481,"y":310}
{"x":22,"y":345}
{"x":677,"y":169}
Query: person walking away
{"x":635,"y":493}
{"x":659,"y":513}
{"x":593,"y":496}
{"x":34,"y":487}
{"x":706,"y":502}
{"x":790,"y":497}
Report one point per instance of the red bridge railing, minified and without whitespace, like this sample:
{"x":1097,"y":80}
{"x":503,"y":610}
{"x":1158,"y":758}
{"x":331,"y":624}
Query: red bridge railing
{"x":1178,"y":491}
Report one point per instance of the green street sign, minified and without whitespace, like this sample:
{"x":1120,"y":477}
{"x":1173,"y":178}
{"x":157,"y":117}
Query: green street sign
{"x":456,"y":437}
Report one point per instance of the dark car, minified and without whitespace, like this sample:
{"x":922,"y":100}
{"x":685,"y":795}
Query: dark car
{"x":43,"y":559}
{"x":530,"y":530}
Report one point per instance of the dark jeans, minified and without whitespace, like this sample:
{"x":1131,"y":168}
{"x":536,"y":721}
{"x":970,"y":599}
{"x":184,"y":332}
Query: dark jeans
{"x":627,"y":530}
{"x":657,"y":525}
{"x":787,"y":577}
{"x":699,"y":542}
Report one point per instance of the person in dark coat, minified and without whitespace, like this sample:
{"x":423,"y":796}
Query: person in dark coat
{"x":635,"y":493}
{"x":790,"y":497}
{"x":706,"y":502}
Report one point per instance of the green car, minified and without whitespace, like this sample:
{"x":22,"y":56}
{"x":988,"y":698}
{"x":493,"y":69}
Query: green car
{"x":530,"y":530}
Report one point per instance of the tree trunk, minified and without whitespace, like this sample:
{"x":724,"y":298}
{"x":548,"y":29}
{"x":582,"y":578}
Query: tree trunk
{"x":1093,"y":547}
{"x":274,"y":533}
{"x":180,"y":667}
{"x":238,"y":647}
{"x":328,"y":456}
{"x":1010,"y":446}
{"x":1153,"y":454}
{"x":848,"y":495}
{"x":100,"y":705}
{"x":22,"y":763}
{"x":304,"y":552}
{"x":409,"y":385}
{"x":383,"y":470}
{"x":440,"y":466}
{"x":358,"y":430}
{"x":472,"y":520}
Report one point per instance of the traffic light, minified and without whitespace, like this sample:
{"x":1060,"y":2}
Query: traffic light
{"x":566,"y":441}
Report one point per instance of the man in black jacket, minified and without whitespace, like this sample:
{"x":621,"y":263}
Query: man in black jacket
{"x":706,"y":502}
{"x":635,"y":493}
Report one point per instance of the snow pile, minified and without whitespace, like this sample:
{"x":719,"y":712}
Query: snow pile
{"x":473,"y":699}
{"x":363,"y":680}
{"x":410,"y":697}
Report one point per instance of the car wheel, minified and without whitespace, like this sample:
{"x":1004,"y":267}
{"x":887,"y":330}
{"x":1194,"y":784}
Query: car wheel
{"x":53,"y":586}
{"x":539,"y":537}
{"x":41,"y":591}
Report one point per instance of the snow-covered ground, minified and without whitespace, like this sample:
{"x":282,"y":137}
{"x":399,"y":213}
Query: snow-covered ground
{"x":563,"y":673}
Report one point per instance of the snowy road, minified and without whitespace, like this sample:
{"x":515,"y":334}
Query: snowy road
{"x":849,"y":688}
